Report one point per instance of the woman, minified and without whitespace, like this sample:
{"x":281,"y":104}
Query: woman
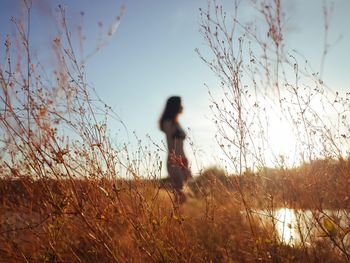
{"x":177,"y":163}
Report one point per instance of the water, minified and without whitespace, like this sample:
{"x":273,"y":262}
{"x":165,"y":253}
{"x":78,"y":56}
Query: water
{"x":295,"y":227}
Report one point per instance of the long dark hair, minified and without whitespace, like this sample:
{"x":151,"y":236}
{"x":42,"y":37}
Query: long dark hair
{"x":172,"y":109}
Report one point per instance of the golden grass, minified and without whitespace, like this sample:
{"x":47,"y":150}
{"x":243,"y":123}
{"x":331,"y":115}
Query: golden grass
{"x":103,"y":220}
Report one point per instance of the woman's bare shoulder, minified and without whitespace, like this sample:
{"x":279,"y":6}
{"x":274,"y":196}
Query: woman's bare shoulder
{"x":168,"y":122}
{"x":168,"y":126}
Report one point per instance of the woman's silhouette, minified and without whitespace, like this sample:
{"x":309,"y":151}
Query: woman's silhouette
{"x":177,"y":163}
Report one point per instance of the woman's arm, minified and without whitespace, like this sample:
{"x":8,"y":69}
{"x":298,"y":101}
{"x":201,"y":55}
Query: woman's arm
{"x":168,"y":128}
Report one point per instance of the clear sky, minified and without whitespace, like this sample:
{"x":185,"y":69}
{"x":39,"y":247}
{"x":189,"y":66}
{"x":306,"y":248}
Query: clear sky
{"x":151,"y":56}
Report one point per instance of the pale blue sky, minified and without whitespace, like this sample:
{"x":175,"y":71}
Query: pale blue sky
{"x":151,"y":56}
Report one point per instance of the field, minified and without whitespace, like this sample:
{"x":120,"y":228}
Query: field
{"x":136,"y":221}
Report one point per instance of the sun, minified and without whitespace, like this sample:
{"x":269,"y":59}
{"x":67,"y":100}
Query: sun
{"x":280,"y":137}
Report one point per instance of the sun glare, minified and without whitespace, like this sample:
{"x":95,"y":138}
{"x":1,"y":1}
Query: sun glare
{"x":281,"y":141}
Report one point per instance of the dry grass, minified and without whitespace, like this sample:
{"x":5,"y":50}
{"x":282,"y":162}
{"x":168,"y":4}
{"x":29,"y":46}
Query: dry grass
{"x":137,"y":221}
